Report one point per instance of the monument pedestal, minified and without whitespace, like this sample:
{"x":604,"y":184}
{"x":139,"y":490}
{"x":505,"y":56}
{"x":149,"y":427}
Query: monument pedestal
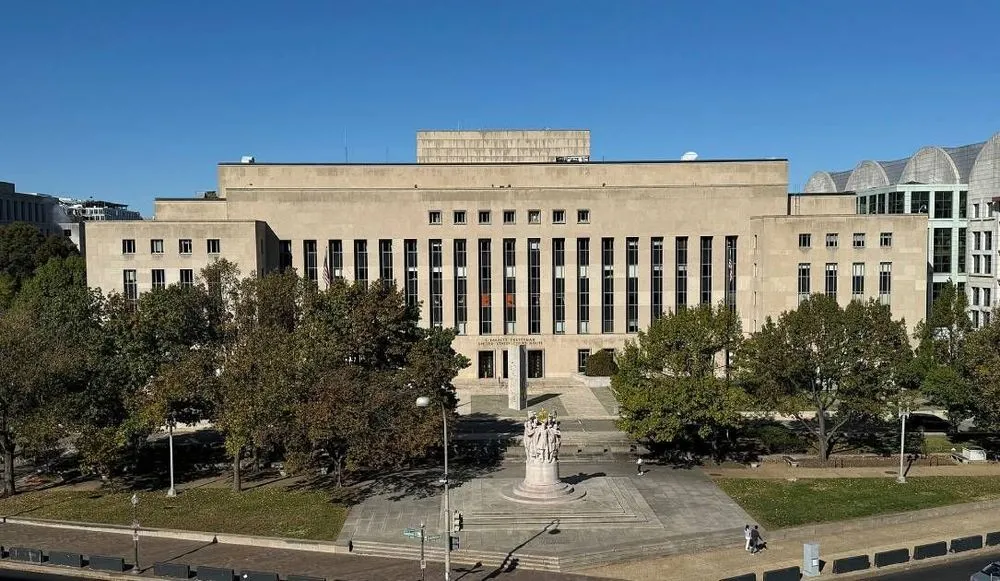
{"x":541,"y":485}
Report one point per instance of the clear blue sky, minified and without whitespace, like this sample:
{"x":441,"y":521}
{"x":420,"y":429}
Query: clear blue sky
{"x":132,"y":99}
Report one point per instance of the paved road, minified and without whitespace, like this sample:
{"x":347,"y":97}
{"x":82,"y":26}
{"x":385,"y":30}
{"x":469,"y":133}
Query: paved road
{"x":957,"y":570}
{"x":25,"y":576}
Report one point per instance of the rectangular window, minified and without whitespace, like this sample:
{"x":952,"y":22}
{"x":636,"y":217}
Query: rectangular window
{"x":184,"y":246}
{"x":336,"y":250}
{"x":681,"y":274}
{"x":656,"y":279}
{"x":858,"y":280}
{"x":534,"y":286}
{"x":963,"y":238}
{"x":434,"y":217}
{"x":509,"y":286}
{"x":583,"y":216}
{"x":963,"y":205}
{"x":582,"y":355}
{"x":830,"y":280}
{"x":884,"y":282}
{"x":485,"y":288}
{"x":437,"y":283}
{"x":988,"y":241}
{"x":187,"y":277}
{"x":130,"y":286}
{"x":871,"y":204}
{"x":558,"y":286}
{"x":385,"y":263}
{"x":706,"y":270}
{"x":987,"y":264}
{"x":284,"y":254}
{"x":885,"y":240}
{"x":484,"y":216}
{"x":159,"y":278}
{"x":943,"y":204}
{"x":977,"y":241}
{"x":920,"y":202}
{"x":805,"y":287}
{"x":977,"y":264}
{"x":987,"y":299}
{"x":361,"y":261}
{"x":975,"y":210}
{"x":942,"y":250}
{"x":583,"y":285}
{"x":730,"y":294}
{"x":128,"y":246}
{"x":881,"y":204}
{"x":312,"y":260}
{"x":897,"y":202}
{"x":631,"y":285}
{"x":410,"y":282}
{"x":858,"y":240}
{"x":607,"y":285}
{"x":832,"y":240}
{"x":509,"y":216}
{"x":805,"y":240}
{"x":975,"y":296}
{"x":534,"y":216}
{"x":214,"y":246}
{"x":862,"y":204}
{"x":975,"y":319}
{"x":986,"y":318}
{"x":461,"y":286}
{"x":458,"y":217}
{"x":558,"y":216}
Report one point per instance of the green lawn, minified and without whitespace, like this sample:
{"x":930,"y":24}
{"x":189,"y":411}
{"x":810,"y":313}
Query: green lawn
{"x":935,"y":443}
{"x":780,"y":503}
{"x":267,"y":512}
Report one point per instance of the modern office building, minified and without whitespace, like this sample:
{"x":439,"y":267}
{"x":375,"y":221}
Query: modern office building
{"x":37,"y":209}
{"x":958,"y":188}
{"x":561,"y":258}
{"x":96,"y":210}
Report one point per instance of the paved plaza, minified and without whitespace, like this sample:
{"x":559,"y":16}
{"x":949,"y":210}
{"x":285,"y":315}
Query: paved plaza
{"x":567,"y":397}
{"x":664,"y":511}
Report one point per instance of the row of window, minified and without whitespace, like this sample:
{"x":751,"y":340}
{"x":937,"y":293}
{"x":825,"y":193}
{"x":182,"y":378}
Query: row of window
{"x":976,"y":319}
{"x":509,"y":217}
{"x":184,"y":246}
{"x":985,"y":294}
{"x":943,"y":204}
{"x":857,"y":240}
{"x":130,"y":282}
{"x":830,"y":280}
{"x":982,"y":241}
{"x":333,"y":268}
{"x":21,"y":210}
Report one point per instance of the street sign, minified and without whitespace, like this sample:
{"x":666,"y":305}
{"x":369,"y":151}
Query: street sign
{"x":423,"y":564}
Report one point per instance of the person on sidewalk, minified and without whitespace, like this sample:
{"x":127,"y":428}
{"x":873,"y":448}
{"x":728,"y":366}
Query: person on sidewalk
{"x":747,"y":536}
{"x":638,"y":466}
{"x":756,"y":541}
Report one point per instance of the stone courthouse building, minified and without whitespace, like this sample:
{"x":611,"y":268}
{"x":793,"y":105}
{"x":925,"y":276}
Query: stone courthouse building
{"x":520,"y":240}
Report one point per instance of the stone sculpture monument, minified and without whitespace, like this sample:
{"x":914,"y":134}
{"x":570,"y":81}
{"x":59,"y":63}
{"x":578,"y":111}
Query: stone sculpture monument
{"x":541,"y":484}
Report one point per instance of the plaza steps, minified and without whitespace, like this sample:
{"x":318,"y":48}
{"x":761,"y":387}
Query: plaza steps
{"x":556,"y":563}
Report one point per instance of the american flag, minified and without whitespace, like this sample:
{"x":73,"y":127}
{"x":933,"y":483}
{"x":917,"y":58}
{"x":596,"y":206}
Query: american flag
{"x":326,"y":267}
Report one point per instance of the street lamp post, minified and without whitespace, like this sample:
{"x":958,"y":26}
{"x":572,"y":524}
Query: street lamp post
{"x":424,"y":401}
{"x":135,"y":529}
{"x":903,"y":413}
{"x":170,"y":437}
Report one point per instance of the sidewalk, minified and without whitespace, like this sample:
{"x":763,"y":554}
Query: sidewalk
{"x":783,"y":471}
{"x":734,"y":560}
{"x":239,"y":557}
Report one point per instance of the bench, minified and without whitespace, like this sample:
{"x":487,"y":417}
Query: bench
{"x":790,"y":461}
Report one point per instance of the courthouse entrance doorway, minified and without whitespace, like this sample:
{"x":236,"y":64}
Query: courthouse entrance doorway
{"x":536,"y":364}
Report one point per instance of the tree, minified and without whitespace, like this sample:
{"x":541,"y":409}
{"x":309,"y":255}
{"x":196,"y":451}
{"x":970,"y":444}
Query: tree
{"x":23,"y":248}
{"x":938,"y":362}
{"x":672,"y":383}
{"x":843,"y":364}
{"x":982,"y":366}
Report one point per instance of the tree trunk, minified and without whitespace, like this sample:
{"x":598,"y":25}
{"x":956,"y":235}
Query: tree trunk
{"x":338,"y":467}
{"x":237,"y":475}
{"x":8,"y":471}
{"x":822,"y":438}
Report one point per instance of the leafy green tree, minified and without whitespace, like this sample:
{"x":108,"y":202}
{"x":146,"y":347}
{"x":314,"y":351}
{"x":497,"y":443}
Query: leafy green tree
{"x":842,"y":364}
{"x":672,"y":383}
{"x":939,"y":356}
{"x":23,"y":248}
{"x":982,"y":365}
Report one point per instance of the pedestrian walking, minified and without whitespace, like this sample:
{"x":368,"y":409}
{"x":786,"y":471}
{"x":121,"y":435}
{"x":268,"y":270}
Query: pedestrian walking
{"x":746,"y":537}
{"x":756,"y":541}
{"x":638,"y":466}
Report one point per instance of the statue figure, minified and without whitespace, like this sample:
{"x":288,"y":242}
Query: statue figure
{"x":541,"y":484}
{"x":553,"y":438}
{"x":530,"y":431}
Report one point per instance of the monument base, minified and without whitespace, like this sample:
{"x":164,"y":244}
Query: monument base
{"x":541,"y":485}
